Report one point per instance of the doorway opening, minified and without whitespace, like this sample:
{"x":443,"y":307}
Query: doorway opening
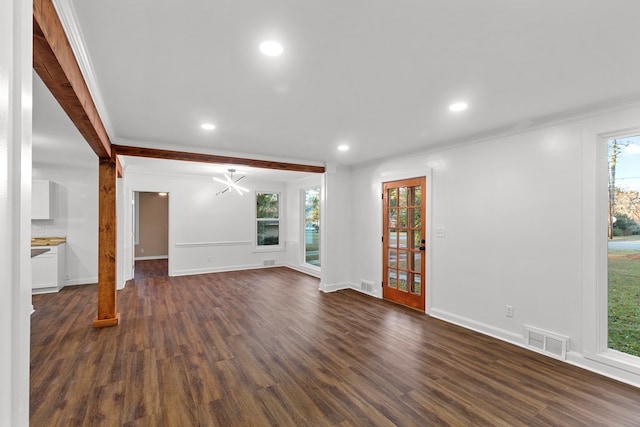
{"x":151,"y":234}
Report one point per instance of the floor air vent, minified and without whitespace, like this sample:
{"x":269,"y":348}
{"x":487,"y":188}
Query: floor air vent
{"x":366,"y":286}
{"x":547,"y":343}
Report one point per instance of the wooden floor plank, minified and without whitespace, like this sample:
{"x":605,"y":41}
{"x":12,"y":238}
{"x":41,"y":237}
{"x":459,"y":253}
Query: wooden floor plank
{"x":264,"y":347}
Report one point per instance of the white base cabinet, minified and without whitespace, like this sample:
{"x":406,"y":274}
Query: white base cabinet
{"x":48,"y":269}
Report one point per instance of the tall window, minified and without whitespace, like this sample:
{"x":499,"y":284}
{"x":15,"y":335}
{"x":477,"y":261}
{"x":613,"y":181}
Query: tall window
{"x":268,"y":219}
{"x":312,"y":226}
{"x":624,"y":245}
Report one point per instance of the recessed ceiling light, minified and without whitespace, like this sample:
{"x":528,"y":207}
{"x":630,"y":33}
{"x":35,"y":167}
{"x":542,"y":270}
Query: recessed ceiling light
{"x":208,"y":126}
{"x":458,"y":106}
{"x":271,"y":48}
{"x":343,"y":147}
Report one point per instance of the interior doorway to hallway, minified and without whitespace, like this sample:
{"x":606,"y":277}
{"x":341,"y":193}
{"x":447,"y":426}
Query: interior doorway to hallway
{"x":150,"y":234}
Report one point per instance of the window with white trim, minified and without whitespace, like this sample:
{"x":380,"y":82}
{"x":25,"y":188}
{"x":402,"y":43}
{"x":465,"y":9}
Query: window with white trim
{"x":267,"y":219}
{"x":311,"y":212}
{"x":623,"y":246}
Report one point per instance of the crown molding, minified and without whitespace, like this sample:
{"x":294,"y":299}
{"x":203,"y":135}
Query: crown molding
{"x":69,"y":20}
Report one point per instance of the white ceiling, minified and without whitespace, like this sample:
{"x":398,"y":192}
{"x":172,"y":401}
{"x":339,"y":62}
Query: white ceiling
{"x":56,"y":141}
{"x":378,"y":75}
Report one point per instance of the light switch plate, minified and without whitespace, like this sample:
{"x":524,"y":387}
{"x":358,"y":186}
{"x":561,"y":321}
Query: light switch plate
{"x":440,"y":232}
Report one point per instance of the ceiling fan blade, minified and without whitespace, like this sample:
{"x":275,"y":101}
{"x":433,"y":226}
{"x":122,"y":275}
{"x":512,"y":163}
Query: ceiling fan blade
{"x":220,"y":180}
{"x":230,"y":183}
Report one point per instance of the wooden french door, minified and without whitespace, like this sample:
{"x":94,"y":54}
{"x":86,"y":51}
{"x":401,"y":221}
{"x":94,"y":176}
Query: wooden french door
{"x":404,"y":242}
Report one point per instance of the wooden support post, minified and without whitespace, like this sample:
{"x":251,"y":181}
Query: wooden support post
{"x":107,"y":315}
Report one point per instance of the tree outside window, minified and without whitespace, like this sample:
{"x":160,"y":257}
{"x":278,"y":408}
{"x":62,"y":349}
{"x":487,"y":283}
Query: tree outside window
{"x":312,"y":226}
{"x":268,"y":219}
{"x":624,"y":245}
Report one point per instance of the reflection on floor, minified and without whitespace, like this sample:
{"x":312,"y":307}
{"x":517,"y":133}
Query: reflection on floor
{"x":145,"y":269}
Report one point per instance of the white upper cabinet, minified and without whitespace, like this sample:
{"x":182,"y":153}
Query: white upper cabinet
{"x":41,"y":198}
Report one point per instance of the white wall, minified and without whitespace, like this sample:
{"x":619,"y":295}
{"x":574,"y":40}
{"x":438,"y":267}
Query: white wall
{"x":337,"y":220}
{"x":75,"y":215}
{"x":505,"y":205}
{"x":513,"y":209}
{"x":207,"y":233}
{"x":15,"y":209}
{"x":295,"y":223}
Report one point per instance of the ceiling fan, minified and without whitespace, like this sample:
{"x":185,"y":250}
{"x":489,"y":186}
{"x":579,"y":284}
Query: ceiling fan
{"x":231,"y":183}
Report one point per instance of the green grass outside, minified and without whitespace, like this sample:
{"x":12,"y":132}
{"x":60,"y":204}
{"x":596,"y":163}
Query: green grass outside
{"x":624,"y":301}
{"x":312,"y":248}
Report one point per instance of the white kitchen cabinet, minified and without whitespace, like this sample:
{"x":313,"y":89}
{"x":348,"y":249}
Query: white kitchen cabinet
{"x":48,"y":269}
{"x":41,"y":199}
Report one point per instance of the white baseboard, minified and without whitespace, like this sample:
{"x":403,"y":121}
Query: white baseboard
{"x":604,"y":366}
{"x":371,"y":294}
{"x":145,"y":258}
{"x":483,"y":328}
{"x":335,"y":286}
{"x":51,"y":290}
{"x":346,"y":285}
{"x":67,"y":282}
{"x":302,"y":269}
{"x":189,"y":272}
{"x":80,"y":281}
{"x":573,"y":358}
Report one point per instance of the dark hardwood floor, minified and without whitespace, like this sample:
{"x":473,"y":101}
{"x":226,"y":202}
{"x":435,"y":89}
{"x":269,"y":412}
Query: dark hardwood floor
{"x":265,"y":347}
{"x":148,"y":268}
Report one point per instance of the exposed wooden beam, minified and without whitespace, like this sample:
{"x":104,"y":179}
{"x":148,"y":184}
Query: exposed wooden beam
{"x":123,"y":150}
{"x":118,"y":168}
{"x":55,"y":63}
{"x":107,"y":314}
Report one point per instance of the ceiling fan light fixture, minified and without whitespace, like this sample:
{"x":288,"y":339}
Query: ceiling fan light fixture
{"x":231,"y":183}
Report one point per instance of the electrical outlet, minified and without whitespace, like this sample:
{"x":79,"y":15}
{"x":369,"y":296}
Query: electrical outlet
{"x":509,"y":311}
{"x":208,"y":259}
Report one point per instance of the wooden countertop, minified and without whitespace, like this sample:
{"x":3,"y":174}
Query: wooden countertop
{"x":47,"y":241}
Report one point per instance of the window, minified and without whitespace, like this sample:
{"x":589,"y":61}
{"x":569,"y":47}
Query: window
{"x":268,"y":219}
{"x":624,"y":245}
{"x":312,"y":226}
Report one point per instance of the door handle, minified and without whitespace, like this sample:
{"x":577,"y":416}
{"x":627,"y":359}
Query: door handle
{"x":422,"y":248}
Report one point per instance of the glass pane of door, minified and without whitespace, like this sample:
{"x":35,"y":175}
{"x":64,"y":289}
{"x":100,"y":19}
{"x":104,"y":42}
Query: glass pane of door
{"x":403,"y":242}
